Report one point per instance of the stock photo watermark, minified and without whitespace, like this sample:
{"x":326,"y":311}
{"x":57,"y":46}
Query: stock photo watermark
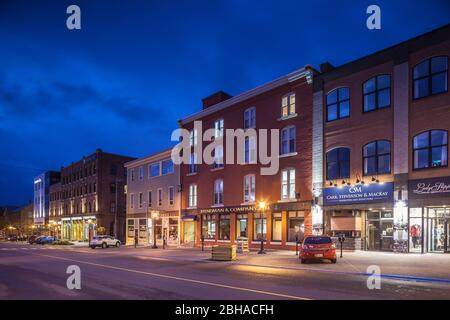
{"x":74,"y":280}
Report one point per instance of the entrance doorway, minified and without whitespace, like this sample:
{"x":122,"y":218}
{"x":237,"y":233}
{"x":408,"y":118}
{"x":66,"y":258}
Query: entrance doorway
{"x":438,"y":229}
{"x":379,"y":231}
{"x":189,"y":232}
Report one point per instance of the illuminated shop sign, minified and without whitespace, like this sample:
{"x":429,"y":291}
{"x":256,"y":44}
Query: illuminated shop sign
{"x":238,"y":209}
{"x":429,"y":188}
{"x":370,"y":193}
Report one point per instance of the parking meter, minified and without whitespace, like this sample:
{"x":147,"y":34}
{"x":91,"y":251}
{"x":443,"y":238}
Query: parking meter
{"x":296,"y":244}
{"x":341,"y":240}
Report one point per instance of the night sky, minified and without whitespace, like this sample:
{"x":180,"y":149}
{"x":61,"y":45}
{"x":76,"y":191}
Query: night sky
{"x":136,"y":67}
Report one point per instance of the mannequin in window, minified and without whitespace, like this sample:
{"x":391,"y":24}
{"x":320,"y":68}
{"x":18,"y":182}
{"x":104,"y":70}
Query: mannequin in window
{"x":415,"y":234}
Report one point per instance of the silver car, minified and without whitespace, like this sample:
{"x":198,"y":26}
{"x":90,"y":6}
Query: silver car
{"x":104,"y":242}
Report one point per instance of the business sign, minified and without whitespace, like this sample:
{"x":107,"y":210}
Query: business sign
{"x":237,"y":209}
{"x":429,"y":188}
{"x":370,"y":193}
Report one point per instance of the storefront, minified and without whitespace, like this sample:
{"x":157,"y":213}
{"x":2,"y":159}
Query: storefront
{"x":279,"y":225}
{"x":157,"y":225}
{"x":429,"y":215}
{"x":364,"y":214}
{"x":80,"y":228}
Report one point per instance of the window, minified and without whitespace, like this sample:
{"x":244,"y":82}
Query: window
{"x":241,"y":225}
{"x":377,"y":157}
{"x":132,"y":174}
{"x":160,"y":195}
{"x":431,"y":149}
{"x":377,"y":93}
{"x":259,"y":227}
{"x":430,"y":77}
{"x":338,"y":104}
{"x":193,"y":195}
{"x":249,"y":188}
{"x":193,"y":137}
{"x":112,"y":170}
{"x":288,"y":140}
{"x":167,"y":166}
{"x":154,"y":169}
{"x":209,"y":226}
{"x":141,"y":173}
{"x":218,"y":157}
{"x":288,"y":105}
{"x":276,"y":227}
{"x":224,"y":227}
{"x":338,"y":163}
{"x":150,"y":199}
{"x":218,"y":191}
{"x":288,"y":184}
{"x":250,"y":149}
{"x":131,"y":201}
{"x":250,"y":118}
{"x":295,"y":226}
{"x":140,"y":199}
{"x":171,"y":195}
{"x":218,"y":128}
{"x":193,"y":163}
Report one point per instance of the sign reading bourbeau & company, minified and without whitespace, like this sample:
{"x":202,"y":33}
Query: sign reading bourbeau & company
{"x":429,"y":188}
{"x":370,"y":193}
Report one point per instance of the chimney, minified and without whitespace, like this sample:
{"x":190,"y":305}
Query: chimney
{"x":326,"y":67}
{"x":215,"y":98}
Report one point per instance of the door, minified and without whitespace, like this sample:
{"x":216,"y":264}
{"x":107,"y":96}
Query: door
{"x":437,"y":233}
{"x":387,"y":233}
{"x":373,"y":235}
{"x":189,"y":231}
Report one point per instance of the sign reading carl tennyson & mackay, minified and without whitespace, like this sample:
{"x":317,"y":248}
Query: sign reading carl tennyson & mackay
{"x":427,"y":188}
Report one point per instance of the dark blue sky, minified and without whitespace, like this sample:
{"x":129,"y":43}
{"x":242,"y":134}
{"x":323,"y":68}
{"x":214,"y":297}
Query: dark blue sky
{"x":135,"y":67}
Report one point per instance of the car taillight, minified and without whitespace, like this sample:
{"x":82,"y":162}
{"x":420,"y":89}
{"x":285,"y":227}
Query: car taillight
{"x":333,"y":246}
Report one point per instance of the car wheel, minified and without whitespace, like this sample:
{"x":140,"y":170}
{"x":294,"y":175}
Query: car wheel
{"x":92,"y":247}
{"x":302,"y":260}
{"x":104,"y":245}
{"x":117,"y":244}
{"x":333,"y":260}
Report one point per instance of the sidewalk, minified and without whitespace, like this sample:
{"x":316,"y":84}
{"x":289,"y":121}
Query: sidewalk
{"x":425,"y":267}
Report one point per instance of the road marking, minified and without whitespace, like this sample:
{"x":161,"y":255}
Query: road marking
{"x":213,"y":284}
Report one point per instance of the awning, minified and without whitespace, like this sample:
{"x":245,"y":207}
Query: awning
{"x":191,"y":217}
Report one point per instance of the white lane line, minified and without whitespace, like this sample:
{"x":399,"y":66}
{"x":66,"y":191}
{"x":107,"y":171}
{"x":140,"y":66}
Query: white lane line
{"x":213,"y":284}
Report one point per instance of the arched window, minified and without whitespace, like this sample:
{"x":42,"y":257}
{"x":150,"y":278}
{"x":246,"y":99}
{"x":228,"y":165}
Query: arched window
{"x":338,"y":163}
{"x":377,"y":93}
{"x":338,"y":104}
{"x":377,"y":157}
{"x":430,"y":77}
{"x":430,"y":149}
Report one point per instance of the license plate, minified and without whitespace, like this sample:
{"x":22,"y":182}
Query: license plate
{"x":318,"y":255}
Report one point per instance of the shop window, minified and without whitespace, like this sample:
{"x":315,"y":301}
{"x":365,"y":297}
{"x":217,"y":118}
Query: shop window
{"x":415,"y":230}
{"x":338,"y":163}
{"x":276,"y":227}
{"x":377,"y":93}
{"x":218,"y":192}
{"x":288,"y":105}
{"x":430,"y":149}
{"x":296,"y":226}
{"x":142,"y":229}
{"x":377,"y":157}
{"x":430,"y":77}
{"x":338,"y":104}
{"x":250,"y":118}
{"x":173,"y":229}
{"x":193,"y":195}
{"x":288,"y":140}
{"x":249,"y":188}
{"x":241,"y":226}
{"x":288,"y":184}
{"x":224,"y":227}
{"x":259,"y":227}
{"x":209,"y":226}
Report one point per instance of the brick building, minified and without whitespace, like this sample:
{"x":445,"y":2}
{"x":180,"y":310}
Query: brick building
{"x":381,"y":128}
{"x":90,"y":197}
{"x":221,"y":200}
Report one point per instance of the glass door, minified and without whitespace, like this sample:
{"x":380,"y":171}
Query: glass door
{"x":373,"y":235}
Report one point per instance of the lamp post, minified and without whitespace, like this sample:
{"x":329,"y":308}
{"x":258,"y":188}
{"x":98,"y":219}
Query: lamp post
{"x":262,"y":207}
{"x":89,"y":232}
{"x":154,"y":217}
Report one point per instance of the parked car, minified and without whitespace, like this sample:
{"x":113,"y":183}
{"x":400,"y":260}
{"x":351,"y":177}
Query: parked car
{"x":12,"y":238}
{"x":32,"y":239}
{"x":318,"y":248}
{"x":104,"y":242}
{"x":45,"y":240}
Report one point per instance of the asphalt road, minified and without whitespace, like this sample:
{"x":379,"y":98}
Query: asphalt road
{"x":39,"y":272}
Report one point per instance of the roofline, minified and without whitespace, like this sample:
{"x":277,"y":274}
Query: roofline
{"x":153,"y":156}
{"x":290,"y":77}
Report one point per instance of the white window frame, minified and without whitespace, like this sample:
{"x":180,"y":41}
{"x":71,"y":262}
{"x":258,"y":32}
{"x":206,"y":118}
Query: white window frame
{"x":150,"y":169}
{"x":250,"y":117}
{"x":288,"y":184}
{"x":218,"y":192}
{"x":288,"y":102}
{"x":219,"y":128}
{"x":249,"y":188}
{"x":193,"y":137}
{"x":193,"y":195}
{"x":250,"y":143}
{"x":288,"y":140}
{"x":192,"y":163}
{"x":218,"y":156}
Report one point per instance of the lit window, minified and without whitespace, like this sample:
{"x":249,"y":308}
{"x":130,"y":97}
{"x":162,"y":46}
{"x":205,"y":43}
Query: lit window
{"x":193,"y":195}
{"x":249,"y":188}
{"x":288,"y":105}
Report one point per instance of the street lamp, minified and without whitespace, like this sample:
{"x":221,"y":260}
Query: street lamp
{"x":154,"y":217}
{"x":262,"y":206}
